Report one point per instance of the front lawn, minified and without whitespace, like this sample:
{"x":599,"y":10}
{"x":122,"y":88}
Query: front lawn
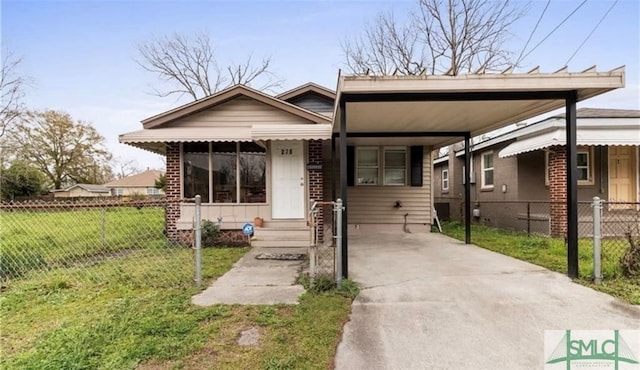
{"x":114,"y":322}
{"x":552,"y":254}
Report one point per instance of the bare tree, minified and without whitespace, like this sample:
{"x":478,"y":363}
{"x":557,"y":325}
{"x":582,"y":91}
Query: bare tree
{"x":191,"y":65}
{"x":124,"y":167}
{"x":441,"y":37}
{"x":12,"y":89}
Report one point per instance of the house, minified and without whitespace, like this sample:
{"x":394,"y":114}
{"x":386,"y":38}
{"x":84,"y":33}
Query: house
{"x":141,"y":184}
{"x":524,"y":164}
{"x":251,"y":154}
{"x":82,"y":191}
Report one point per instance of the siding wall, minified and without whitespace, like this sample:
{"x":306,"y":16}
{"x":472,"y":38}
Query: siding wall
{"x":374,"y":204}
{"x":242,"y":112}
{"x":313,"y":103}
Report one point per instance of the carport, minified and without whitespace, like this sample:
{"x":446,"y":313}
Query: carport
{"x":444,"y":109}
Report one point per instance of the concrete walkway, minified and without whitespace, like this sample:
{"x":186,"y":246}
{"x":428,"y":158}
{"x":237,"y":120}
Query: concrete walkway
{"x":253,"y":281}
{"x":431,"y":302}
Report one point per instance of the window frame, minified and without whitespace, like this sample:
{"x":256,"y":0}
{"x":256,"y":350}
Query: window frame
{"x":484,"y":170}
{"x":358,"y":166}
{"x":588,"y":150}
{"x":445,"y":189}
{"x":384,"y":164}
{"x":238,"y":184}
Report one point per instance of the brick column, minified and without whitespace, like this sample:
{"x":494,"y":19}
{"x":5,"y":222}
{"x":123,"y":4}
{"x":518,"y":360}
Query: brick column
{"x":172,"y":210}
{"x":558,"y":190}
{"x":315,"y":181}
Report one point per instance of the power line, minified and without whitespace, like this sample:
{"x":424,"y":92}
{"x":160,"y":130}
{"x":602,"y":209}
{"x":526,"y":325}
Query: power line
{"x":532,"y":32}
{"x":591,"y":33}
{"x":555,"y":29}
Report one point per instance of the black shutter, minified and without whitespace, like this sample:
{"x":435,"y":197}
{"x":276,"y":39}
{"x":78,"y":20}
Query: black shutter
{"x":351,"y":165}
{"x":416,"y":165}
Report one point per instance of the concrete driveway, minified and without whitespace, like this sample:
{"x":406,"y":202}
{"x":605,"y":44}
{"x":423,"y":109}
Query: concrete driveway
{"x":431,"y":302}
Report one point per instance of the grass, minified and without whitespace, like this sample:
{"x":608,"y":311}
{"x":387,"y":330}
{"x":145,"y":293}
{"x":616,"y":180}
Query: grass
{"x":552,"y":254}
{"x":52,"y":323}
{"x":130,"y":309}
{"x":37,"y":240}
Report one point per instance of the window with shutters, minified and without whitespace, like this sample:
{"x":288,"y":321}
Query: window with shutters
{"x":388,"y":166}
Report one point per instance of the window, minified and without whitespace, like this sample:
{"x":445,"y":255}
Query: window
{"x":118,"y":192}
{"x":253,"y":181}
{"x":445,"y":180}
{"x":584,"y":166}
{"x":212,"y":170}
{"x":153,"y":191}
{"x":367,"y":165}
{"x":195,"y":161}
{"x":395,"y":166}
{"x":487,"y":170}
{"x":472,"y":175}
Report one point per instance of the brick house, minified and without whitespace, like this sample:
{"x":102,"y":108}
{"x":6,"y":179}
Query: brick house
{"x":529,"y":164}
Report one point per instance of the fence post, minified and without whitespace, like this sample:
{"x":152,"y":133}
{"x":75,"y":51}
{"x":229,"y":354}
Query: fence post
{"x":338,"y":212}
{"x":528,"y":218}
{"x":103,"y":220}
{"x":597,"y":239}
{"x":198,"y":242}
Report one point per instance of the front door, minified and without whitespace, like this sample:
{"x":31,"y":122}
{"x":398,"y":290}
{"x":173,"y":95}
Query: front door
{"x":287,"y":179}
{"x":621,"y":174}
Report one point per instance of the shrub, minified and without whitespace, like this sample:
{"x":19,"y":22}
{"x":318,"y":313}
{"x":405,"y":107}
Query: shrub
{"x":631,"y":259}
{"x":210,"y":233}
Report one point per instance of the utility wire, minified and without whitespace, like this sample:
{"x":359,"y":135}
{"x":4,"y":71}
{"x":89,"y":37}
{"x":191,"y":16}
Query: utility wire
{"x":532,"y":32}
{"x":554,"y":30}
{"x":591,"y":33}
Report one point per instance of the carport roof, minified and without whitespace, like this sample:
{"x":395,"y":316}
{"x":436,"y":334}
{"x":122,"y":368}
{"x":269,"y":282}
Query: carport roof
{"x":473,"y":103}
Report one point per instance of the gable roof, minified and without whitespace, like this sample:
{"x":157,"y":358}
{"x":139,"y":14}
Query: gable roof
{"x":91,"y":188}
{"x":226,"y":95}
{"x":142,"y":179}
{"x":309,"y":87}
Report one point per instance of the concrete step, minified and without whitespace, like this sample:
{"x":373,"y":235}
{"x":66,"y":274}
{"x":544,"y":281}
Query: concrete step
{"x":277,"y":250}
{"x":290,"y":233}
{"x":285,"y":224}
{"x":280,"y":243}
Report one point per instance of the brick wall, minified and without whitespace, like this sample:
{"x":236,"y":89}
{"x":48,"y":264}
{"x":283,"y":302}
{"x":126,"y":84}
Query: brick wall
{"x":172,"y":211}
{"x":558,"y":190}
{"x":315,"y":181}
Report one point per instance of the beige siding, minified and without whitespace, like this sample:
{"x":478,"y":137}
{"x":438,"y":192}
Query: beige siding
{"x":238,"y":112}
{"x":374,"y":204}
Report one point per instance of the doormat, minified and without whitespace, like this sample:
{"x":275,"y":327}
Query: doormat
{"x":281,"y":256}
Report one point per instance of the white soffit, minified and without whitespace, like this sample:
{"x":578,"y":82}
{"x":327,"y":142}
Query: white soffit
{"x":585,"y":136}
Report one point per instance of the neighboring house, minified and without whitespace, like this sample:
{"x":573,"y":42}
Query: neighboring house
{"x":141,"y":184}
{"x":82,"y":191}
{"x":249,"y":154}
{"x":528,"y":163}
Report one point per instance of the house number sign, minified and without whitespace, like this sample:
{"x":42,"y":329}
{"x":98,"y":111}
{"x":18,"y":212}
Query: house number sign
{"x":286,"y":151}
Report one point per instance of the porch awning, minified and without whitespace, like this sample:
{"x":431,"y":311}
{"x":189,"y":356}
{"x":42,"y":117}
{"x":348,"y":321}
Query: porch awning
{"x":585,"y":136}
{"x":154,"y":139}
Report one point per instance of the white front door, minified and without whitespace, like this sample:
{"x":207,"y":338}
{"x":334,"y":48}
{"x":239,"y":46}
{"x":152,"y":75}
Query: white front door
{"x":287,"y":179}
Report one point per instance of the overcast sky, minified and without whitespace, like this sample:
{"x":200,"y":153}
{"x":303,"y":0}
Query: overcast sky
{"x":80,"y":54}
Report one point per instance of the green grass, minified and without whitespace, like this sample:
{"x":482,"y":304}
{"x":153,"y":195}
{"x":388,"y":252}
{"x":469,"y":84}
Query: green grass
{"x":552,"y":254}
{"x":44,"y":239}
{"x":75,"y":299}
{"x":50,"y":322}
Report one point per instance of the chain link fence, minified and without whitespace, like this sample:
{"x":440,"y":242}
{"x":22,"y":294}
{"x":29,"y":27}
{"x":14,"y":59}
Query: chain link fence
{"x":322,"y":255}
{"x":105,"y":241}
{"x":619,"y":226}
